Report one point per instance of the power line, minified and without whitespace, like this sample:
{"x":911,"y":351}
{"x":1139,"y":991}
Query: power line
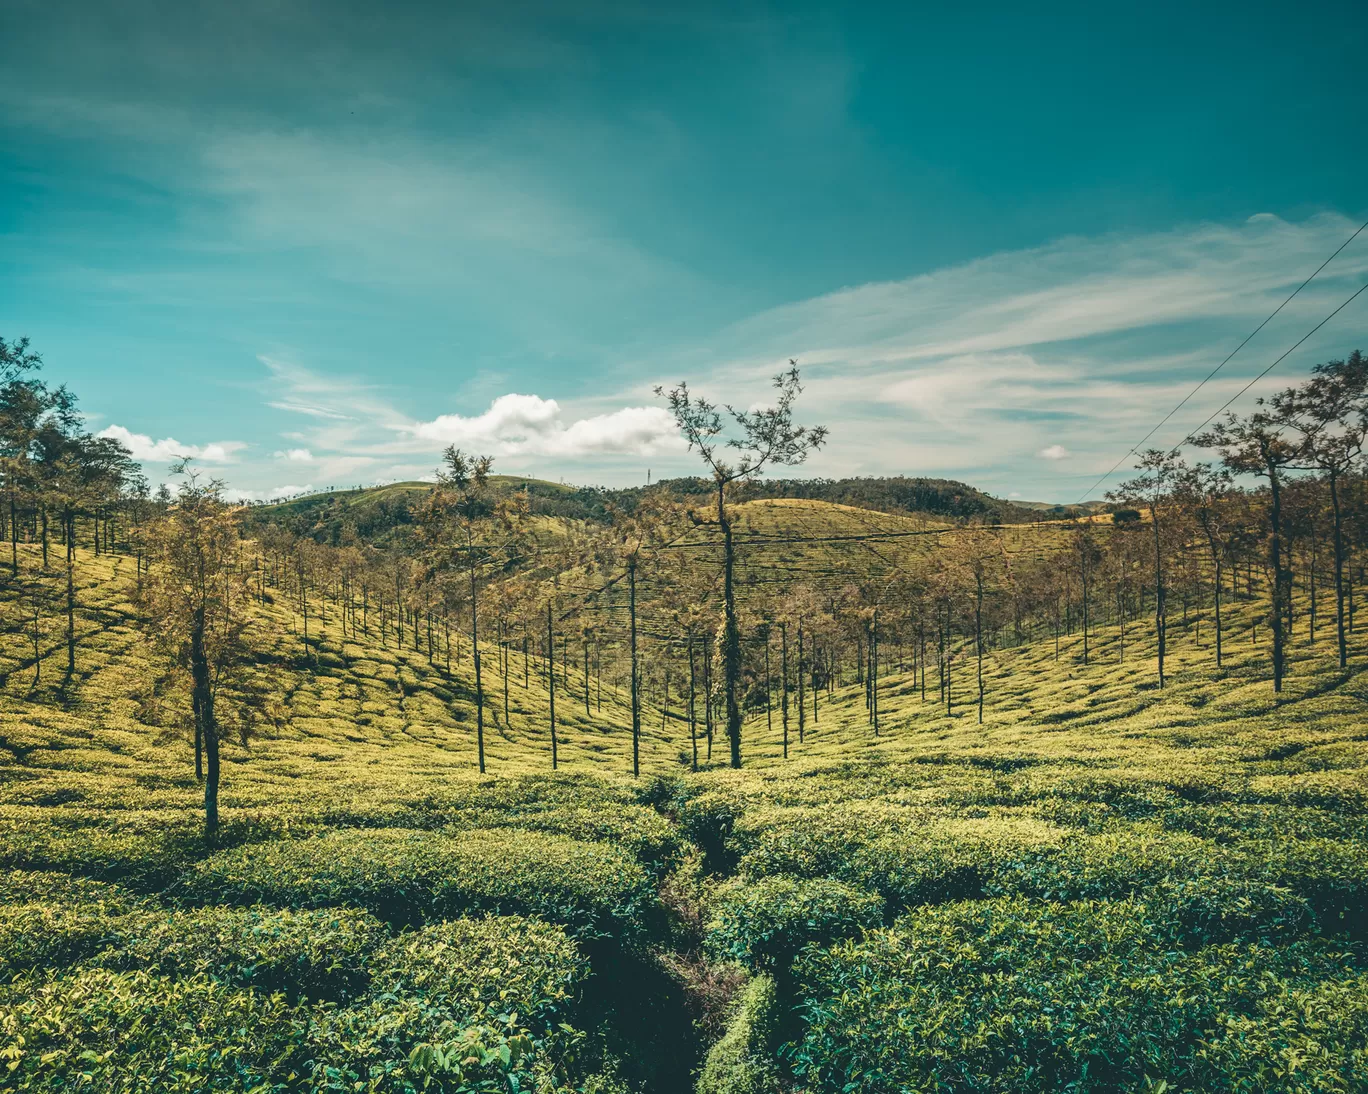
{"x":1279,"y":361}
{"x":1227,"y":360}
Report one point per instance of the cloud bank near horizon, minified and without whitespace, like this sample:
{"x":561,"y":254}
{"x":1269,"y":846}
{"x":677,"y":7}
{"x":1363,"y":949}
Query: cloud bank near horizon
{"x":1023,"y":368}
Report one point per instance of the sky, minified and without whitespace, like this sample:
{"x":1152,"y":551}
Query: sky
{"x":312,"y":243}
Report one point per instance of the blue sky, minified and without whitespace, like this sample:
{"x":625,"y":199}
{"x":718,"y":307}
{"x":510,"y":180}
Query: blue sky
{"x":312,"y":243}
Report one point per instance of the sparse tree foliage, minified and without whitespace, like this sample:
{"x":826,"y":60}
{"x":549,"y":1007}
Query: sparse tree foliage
{"x":196,"y":598}
{"x":762,"y":437}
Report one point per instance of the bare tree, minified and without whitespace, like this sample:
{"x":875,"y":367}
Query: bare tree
{"x":765,"y":436}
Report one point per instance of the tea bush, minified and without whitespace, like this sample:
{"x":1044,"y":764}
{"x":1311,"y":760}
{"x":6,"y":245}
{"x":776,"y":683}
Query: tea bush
{"x":320,"y":954}
{"x":467,"y":1005}
{"x":743,"y":1061}
{"x":142,"y":1033}
{"x":51,"y":935}
{"x":405,"y":877}
{"x":476,"y":966}
{"x":765,"y":924}
{"x":1017,"y":996}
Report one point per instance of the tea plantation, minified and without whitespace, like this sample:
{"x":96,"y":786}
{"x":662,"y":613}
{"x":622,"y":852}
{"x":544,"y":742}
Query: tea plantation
{"x":1105,"y":886}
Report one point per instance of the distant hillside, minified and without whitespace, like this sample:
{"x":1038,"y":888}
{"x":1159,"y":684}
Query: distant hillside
{"x":382,"y":514}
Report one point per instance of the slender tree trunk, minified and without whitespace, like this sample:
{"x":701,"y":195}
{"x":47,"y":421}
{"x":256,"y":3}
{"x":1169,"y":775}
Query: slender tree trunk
{"x":1278,"y":614}
{"x":475,"y":653}
{"x":551,"y":685}
{"x":784,"y":686}
{"x":1218,"y":611}
{"x":707,"y":696}
{"x":1159,"y":591}
{"x":731,"y":631}
{"x":1085,"y":618}
{"x":769,"y":705}
{"x":1341,"y":645}
{"x":304,"y":606}
{"x":693,"y":719}
{"x":636,"y":679}
{"x":70,"y":594}
{"x":873,"y":673}
{"x":802,"y":698}
{"x":978,"y":631}
{"x":207,"y":731}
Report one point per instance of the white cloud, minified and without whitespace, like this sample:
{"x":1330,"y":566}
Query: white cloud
{"x":274,"y":493}
{"x":1080,"y":345}
{"x":531,"y":425}
{"x":295,"y":455}
{"x":1054,"y":452}
{"x":312,"y":411}
{"x":147,"y":450}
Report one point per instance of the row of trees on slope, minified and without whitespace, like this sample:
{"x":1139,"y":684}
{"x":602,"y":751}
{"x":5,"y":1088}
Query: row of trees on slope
{"x":721,"y":626}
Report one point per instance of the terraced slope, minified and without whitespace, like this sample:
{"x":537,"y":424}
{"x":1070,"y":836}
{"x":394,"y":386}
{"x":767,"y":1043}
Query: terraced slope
{"x":1101,"y":887}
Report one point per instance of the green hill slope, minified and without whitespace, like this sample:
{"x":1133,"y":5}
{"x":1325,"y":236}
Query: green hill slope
{"x":1182,"y":872}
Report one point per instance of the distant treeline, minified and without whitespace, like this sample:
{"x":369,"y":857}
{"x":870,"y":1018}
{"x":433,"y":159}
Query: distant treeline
{"x":384,"y":514}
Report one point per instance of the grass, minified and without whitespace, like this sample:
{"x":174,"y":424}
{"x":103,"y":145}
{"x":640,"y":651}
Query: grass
{"x":1104,"y":886}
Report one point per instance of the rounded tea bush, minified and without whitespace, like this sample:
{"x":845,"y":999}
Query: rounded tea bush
{"x":764,"y":925}
{"x":496,"y":964}
{"x":406,"y":876}
{"x":140,"y":1033}
{"x":319,"y":953}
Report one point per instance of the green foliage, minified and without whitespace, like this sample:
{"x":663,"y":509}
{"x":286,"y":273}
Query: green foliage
{"x":39,"y":935}
{"x":1014,"y":995}
{"x":765,"y":924}
{"x":141,"y":1033}
{"x":468,"y":1005}
{"x":405,"y":877}
{"x":743,"y":1061}
{"x":23,"y":886}
{"x":321,"y":954}
{"x":141,"y":859}
{"x":499,"y":964}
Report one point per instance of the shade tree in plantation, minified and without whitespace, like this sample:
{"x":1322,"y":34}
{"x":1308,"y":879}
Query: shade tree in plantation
{"x":1258,"y":444}
{"x":466,"y":529}
{"x":758,"y":439}
{"x":1153,"y":488}
{"x":1328,"y":414}
{"x":1205,"y":493}
{"x":196,"y":597}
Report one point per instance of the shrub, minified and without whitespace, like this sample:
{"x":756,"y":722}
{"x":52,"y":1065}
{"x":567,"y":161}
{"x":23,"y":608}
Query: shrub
{"x":36,"y":936}
{"x":707,"y":820}
{"x":476,"y":966}
{"x":765,"y":924}
{"x":467,"y":1005}
{"x":640,"y":832}
{"x":1207,"y":911}
{"x":322,"y":954}
{"x":406,"y":876}
{"x":743,"y":1061}
{"x":144,"y":860}
{"x":140,"y":1033}
{"x":32,"y":886}
{"x":1016,"y":996}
